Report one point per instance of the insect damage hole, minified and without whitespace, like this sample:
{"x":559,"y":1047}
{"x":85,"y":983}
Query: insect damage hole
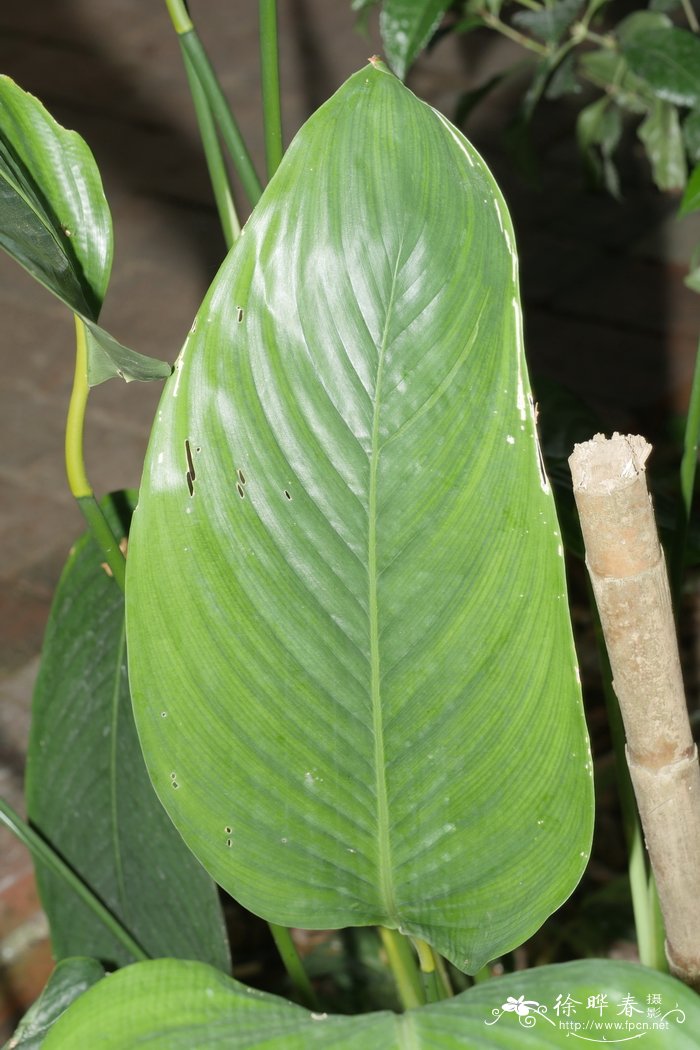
{"x":190,"y":475}
{"x":241,"y":476}
{"x":286,"y":494}
{"x":241,"y":493}
{"x":239,"y":314}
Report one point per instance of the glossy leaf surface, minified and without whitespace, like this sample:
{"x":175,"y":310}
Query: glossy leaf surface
{"x":406,"y":27}
{"x":669,"y":61}
{"x":88,"y":791}
{"x":169,"y":1005}
{"x":55,"y":222}
{"x":350,"y":652}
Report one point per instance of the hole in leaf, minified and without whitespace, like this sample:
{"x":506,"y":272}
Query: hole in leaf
{"x":287,"y":494}
{"x":241,"y":493}
{"x":241,"y":477}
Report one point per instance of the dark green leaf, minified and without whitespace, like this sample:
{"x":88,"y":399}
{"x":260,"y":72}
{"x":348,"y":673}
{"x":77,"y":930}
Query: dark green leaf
{"x":691,"y":135}
{"x":89,"y":794}
{"x":551,"y":22}
{"x":406,"y":27}
{"x":664,"y":5}
{"x":70,"y":979}
{"x":470,"y":99}
{"x":669,"y":61}
{"x":661,"y":134}
{"x":691,"y":197}
{"x":171,"y":1005}
{"x":345,"y":584}
{"x":55,"y":222}
{"x":564,"y":80}
{"x":610,"y":72}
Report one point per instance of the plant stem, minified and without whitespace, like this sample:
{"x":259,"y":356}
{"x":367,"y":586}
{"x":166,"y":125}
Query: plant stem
{"x":434,"y":977}
{"x":219,"y":107}
{"x":687,"y":476}
{"x":293,"y":965}
{"x":216,"y":166}
{"x":690,"y":15}
{"x":44,"y":854}
{"x":75,"y":464}
{"x":270,"y":75}
{"x":494,"y":22}
{"x":402,"y":963}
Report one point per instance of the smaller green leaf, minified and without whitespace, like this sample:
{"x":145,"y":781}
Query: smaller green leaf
{"x":406,"y":27}
{"x":609,"y":71}
{"x":691,"y":197}
{"x":664,"y":5}
{"x":639,"y":22}
{"x":663,"y":142}
{"x":55,"y":222}
{"x":70,"y":978}
{"x":551,"y":22}
{"x":691,"y":135}
{"x":88,"y":791}
{"x":692,"y":280}
{"x":669,"y":61}
{"x":598,"y":131}
{"x":564,"y":80}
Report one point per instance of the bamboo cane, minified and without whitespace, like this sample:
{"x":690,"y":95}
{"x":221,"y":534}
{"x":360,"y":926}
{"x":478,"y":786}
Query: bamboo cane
{"x":628,"y":572}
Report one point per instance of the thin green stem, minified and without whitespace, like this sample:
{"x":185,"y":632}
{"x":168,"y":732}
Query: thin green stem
{"x":494,"y":22}
{"x":75,"y":464}
{"x":216,"y":166}
{"x":293,"y":965}
{"x":44,"y":854}
{"x":689,"y":464}
{"x":228,"y":128}
{"x":658,"y":930}
{"x":270,"y":75}
{"x":434,"y":978}
{"x":179,"y":16}
{"x":402,"y":962}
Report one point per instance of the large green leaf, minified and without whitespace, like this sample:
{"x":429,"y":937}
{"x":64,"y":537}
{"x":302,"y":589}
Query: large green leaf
{"x":55,"y":222}
{"x":170,"y":1005}
{"x":89,"y":794}
{"x":350,"y":652}
{"x":406,"y":27}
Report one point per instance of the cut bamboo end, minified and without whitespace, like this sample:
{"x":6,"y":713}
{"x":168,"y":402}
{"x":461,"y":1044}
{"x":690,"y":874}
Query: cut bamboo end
{"x":628,"y":574}
{"x":617,"y":518}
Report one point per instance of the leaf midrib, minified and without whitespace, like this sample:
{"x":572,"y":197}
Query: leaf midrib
{"x":385,"y":881}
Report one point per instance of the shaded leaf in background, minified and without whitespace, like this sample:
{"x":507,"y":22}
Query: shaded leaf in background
{"x":691,"y":135}
{"x":171,"y":1005}
{"x":348,"y":632}
{"x":70,"y":978}
{"x":564,"y":80}
{"x":406,"y":27}
{"x":609,"y":71}
{"x":89,"y":794}
{"x":551,"y":22}
{"x":661,"y":134}
{"x":598,"y":131}
{"x":669,"y":61}
{"x":639,"y":22}
{"x":55,"y":222}
{"x":691,"y":197}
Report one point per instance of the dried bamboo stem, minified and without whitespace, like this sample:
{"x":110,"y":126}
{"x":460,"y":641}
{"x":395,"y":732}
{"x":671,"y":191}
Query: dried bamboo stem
{"x":628,"y":573}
